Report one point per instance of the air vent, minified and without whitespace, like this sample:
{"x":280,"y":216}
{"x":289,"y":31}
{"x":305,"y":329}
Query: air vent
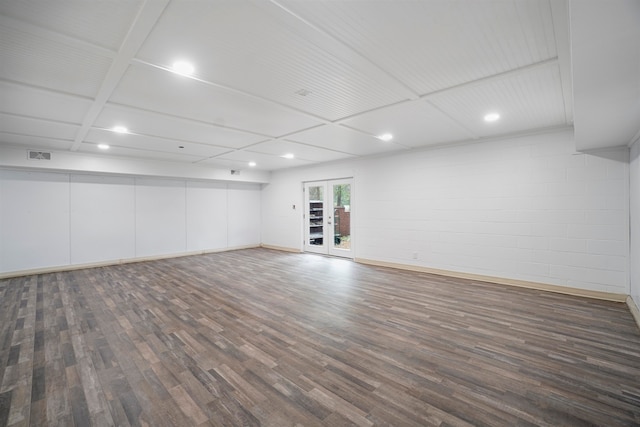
{"x":39,"y":155}
{"x":235,"y":172}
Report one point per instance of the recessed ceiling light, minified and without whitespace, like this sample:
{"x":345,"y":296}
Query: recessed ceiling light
{"x":103,"y":146}
{"x":252,"y":164}
{"x":491,"y":117}
{"x":288,"y":156}
{"x":183,"y":67}
{"x":120,"y":129}
{"x":386,"y":137}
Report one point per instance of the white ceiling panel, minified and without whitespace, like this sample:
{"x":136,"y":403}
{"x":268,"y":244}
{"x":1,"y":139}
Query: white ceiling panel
{"x":240,"y":160}
{"x":103,"y":23}
{"x":160,"y":125}
{"x":161,"y":91}
{"x":42,"y":62}
{"x":236,"y":44}
{"x":36,"y":127}
{"x":93,"y":149}
{"x":436,"y":44}
{"x":28,"y":101}
{"x":526,"y":100}
{"x":414,"y":124}
{"x":344,"y":140}
{"x":320,"y":79}
{"x":34,"y":142}
{"x":300,"y":151}
{"x":145,"y":142}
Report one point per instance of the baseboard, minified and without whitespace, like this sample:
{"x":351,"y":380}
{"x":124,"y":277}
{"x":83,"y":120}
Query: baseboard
{"x":608,"y":296}
{"x":281,"y":248}
{"x":633,"y":308}
{"x":72,"y":267}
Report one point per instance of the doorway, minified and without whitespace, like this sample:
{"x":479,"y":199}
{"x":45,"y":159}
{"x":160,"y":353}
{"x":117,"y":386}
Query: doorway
{"x":327,"y":217}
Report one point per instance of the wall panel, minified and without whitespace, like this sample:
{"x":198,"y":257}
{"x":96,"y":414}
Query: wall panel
{"x":244,"y":215}
{"x":102,"y":218}
{"x":160,"y":217}
{"x":206,"y":216}
{"x":34,"y":228}
{"x":59,"y":220}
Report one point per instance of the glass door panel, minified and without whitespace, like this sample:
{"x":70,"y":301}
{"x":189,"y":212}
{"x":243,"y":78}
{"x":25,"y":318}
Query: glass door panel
{"x":315,"y":218}
{"x":340,"y":218}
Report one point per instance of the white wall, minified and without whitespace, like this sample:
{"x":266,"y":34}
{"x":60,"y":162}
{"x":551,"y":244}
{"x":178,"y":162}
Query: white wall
{"x":102,"y":218}
{"x":60,"y":219}
{"x":526,"y":208}
{"x":34,"y":219}
{"x":634,"y":202}
{"x":207,"y":214}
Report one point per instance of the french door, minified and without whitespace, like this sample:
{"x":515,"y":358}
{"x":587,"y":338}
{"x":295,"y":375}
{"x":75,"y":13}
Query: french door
{"x":327,"y":217}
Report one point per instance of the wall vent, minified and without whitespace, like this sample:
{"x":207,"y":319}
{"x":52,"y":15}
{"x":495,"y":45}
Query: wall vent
{"x":235,"y":172}
{"x":39,"y":155}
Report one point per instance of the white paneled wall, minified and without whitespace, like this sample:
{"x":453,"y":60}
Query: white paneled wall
{"x":526,"y":208}
{"x":244,"y":215}
{"x":634,"y":193}
{"x":160,"y":217}
{"x":59,"y":219}
{"x":102,"y":218}
{"x":207,"y":216}
{"x":35,"y":220}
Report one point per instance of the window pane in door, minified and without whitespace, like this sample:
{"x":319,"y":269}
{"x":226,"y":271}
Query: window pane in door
{"x":316,"y":215}
{"x":342,"y":216}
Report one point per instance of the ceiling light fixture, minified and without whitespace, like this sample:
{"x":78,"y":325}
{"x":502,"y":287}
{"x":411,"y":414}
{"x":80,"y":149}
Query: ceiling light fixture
{"x":120,"y":129}
{"x":183,"y":68}
{"x":386,"y":137}
{"x":288,"y":156}
{"x":491,"y":117}
{"x":103,"y":146}
{"x":252,"y":164}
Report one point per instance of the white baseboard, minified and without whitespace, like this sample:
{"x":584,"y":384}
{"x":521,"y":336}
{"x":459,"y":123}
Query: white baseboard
{"x":282,"y":248}
{"x":608,"y":296}
{"x":633,"y":308}
{"x":60,"y":268}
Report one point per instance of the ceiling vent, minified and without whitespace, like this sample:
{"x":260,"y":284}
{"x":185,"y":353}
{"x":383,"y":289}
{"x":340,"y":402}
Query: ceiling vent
{"x":39,"y":155}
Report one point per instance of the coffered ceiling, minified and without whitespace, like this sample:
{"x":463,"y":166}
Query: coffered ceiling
{"x":320,"y":80}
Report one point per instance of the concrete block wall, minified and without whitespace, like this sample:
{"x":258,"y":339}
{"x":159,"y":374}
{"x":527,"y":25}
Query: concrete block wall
{"x":526,"y":208}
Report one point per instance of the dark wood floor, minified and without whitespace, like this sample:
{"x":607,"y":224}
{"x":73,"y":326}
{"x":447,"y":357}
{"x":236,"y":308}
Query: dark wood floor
{"x":260,"y":337}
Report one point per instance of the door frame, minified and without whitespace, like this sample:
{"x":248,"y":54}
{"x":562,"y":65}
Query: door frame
{"x":328,"y":246}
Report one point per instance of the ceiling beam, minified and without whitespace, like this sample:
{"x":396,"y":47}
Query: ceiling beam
{"x":145,"y":21}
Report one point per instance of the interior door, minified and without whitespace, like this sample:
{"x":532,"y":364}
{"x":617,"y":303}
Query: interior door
{"x":328,"y":206}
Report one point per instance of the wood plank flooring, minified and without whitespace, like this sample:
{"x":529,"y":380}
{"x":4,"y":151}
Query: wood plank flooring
{"x":261,"y":337}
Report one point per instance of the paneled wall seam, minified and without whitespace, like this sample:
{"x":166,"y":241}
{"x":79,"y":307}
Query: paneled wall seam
{"x":69,"y":219}
{"x":186,"y":223}
{"x":135,"y":217}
